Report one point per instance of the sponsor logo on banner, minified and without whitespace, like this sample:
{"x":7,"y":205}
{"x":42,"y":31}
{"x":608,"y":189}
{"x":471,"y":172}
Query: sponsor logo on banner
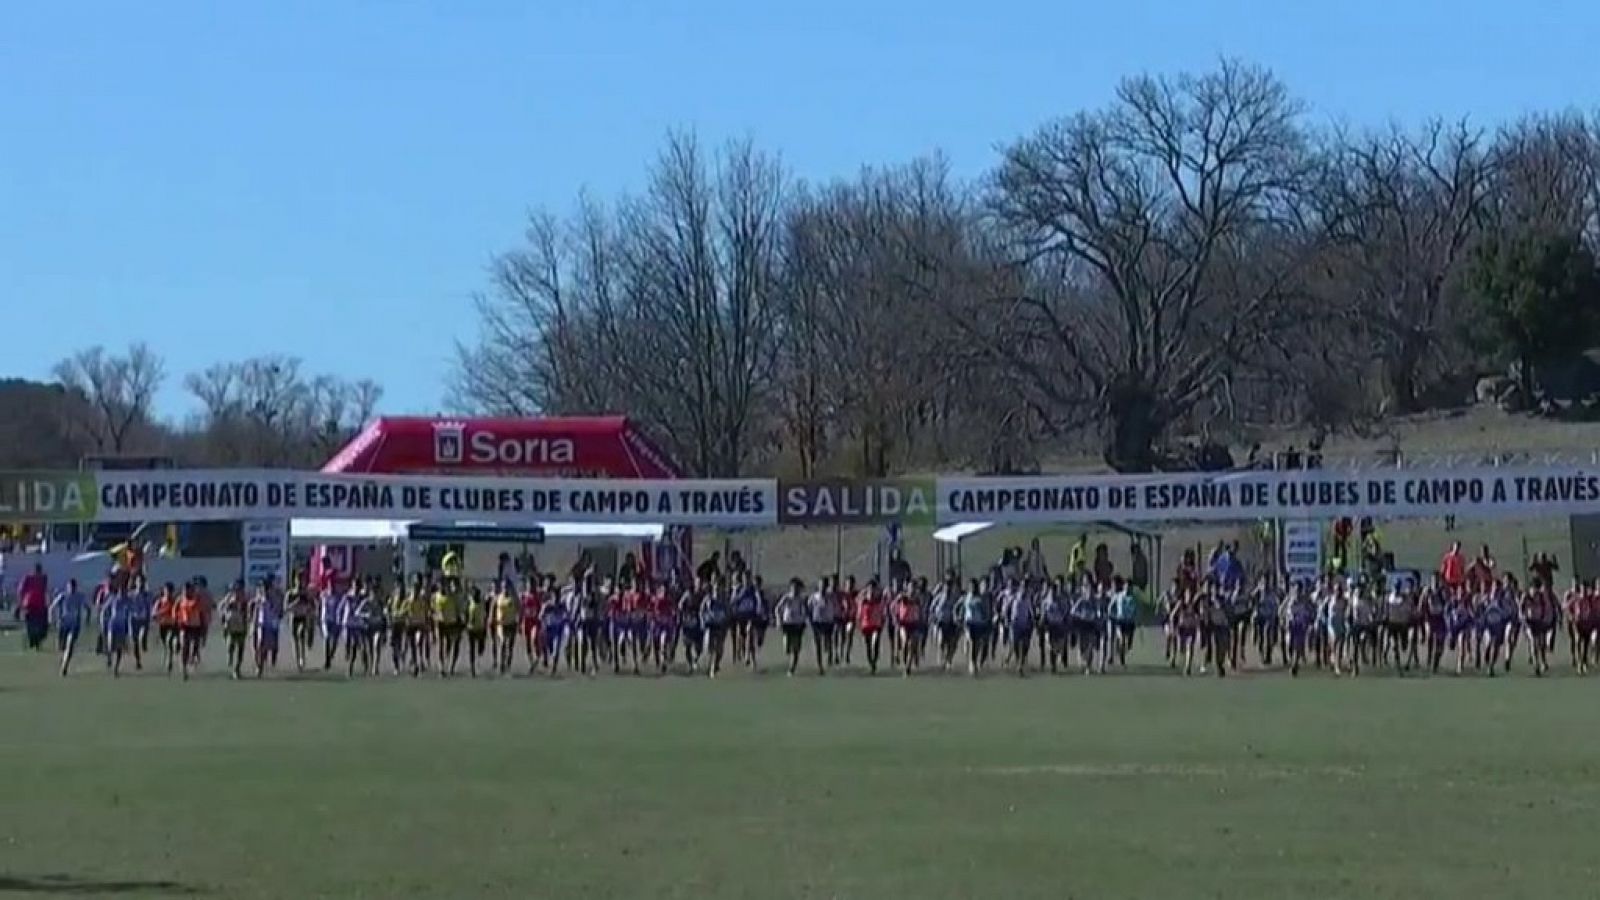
{"x":453,"y":445}
{"x":1302,"y":549}
{"x":449,"y":442}
{"x":487,"y":449}
{"x":266,"y":553}
{"x":857,"y":502}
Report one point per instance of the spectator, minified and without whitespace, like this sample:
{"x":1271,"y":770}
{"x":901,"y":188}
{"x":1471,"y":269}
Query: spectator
{"x":1078,"y":557}
{"x":33,"y":601}
{"x":1138,"y":566}
{"x":899,"y":569}
{"x":1544,"y":569}
{"x":1482,"y":573}
{"x":1103,"y":569}
{"x":1453,"y":567}
{"x":1291,"y":458}
{"x":711,"y":568}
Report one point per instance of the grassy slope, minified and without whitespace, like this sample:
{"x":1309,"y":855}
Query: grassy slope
{"x":1126,"y":786}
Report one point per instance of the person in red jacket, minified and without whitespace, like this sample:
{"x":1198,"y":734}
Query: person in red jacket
{"x":33,"y":601}
{"x":1453,"y":567}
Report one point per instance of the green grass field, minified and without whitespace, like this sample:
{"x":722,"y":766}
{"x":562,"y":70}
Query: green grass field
{"x":1139,"y":785}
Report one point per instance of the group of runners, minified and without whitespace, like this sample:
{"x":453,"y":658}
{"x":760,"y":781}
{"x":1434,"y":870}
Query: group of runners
{"x":1466,"y":616}
{"x":126,"y":611}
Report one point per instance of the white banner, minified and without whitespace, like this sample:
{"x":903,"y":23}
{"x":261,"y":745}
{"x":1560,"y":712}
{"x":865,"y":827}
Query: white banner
{"x":223,"y":494}
{"x":265,"y":544}
{"x":1250,"y":495}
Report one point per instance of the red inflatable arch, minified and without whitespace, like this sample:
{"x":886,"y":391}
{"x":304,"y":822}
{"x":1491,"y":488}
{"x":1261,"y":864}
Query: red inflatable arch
{"x":592,"y":447}
{"x":598,"y":447}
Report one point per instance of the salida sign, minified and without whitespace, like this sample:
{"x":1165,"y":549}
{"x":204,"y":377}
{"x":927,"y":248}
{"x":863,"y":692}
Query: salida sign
{"x":47,"y":496}
{"x":910,"y":502}
{"x":455,"y":445}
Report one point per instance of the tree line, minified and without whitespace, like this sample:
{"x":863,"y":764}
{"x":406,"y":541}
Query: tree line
{"x":1198,"y":258}
{"x":262,"y":411}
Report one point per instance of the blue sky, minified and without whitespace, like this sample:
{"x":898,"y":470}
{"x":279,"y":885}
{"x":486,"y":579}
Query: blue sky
{"x":330,"y":179}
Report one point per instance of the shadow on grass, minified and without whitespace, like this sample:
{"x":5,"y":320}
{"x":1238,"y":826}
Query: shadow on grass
{"x":70,"y":886}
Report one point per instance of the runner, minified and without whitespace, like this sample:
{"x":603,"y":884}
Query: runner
{"x":268,"y":608}
{"x":1219,"y":615}
{"x":477,"y":624}
{"x":943,"y":613}
{"x":419,"y":622}
{"x":911,"y":625}
{"x":397,"y":613}
{"x":193,"y":614}
{"x":763,"y":614}
{"x":589,"y":615}
{"x":616,"y":627}
{"x":1302,"y":616}
{"x":976,"y":613}
{"x":68,"y":610}
{"x":353,"y":611}
{"x":234,"y":612}
{"x":532,"y":609}
{"x":1088,"y":624}
{"x":743,"y":602}
{"x":507,"y":622}
{"x":1499,"y":615}
{"x":1397,"y":628}
{"x":662,"y":610}
{"x":1124,"y":620}
{"x":165,"y":614}
{"x":1434,"y":604}
{"x":691,"y":629}
{"x":375,"y":624}
{"x":1461,"y":619}
{"x":1337,"y":617}
{"x":792,"y":612}
{"x":871,"y":615}
{"x":716,"y":612}
{"x":820,"y":609}
{"x":1363,"y":627}
{"x":1019,"y":616}
{"x":447,"y":613}
{"x":844,"y":631}
{"x":1538,"y":615}
{"x":140,"y":603}
{"x":1054,"y":614}
{"x":1266,"y":628}
{"x":332,"y":603}
{"x":1186,"y":614}
{"x":1588,"y":610}
{"x":636,"y":607}
{"x":302,"y":609}
{"x":554,"y":622}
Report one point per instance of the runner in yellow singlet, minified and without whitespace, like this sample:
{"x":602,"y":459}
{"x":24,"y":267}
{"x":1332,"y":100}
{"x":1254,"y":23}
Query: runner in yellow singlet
{"x":447,"y":624}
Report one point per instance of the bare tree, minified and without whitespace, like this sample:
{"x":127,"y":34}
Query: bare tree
{"x":264,"y":411}
{"x":1163,"y":238}
{"x":1405,"y":210}
{"x":118,"y":390}
{"x":861,"y":368}
{"x":1548,"y":176}
{"x":664,"y":308}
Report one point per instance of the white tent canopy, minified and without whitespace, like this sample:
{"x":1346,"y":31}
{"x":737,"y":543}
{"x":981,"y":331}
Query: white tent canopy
{"x":955,"y":534}
{"x":377,"y":531}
